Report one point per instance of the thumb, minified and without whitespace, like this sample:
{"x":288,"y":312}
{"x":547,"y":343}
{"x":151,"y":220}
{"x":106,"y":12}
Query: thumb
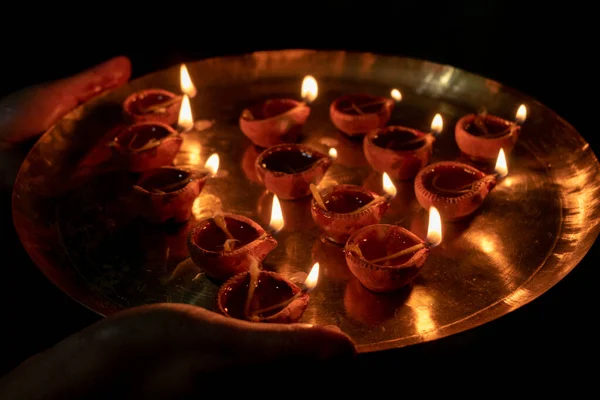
{"x":31,"y":111}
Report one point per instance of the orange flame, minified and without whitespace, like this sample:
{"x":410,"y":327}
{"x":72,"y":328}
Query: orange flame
{"x":186,"y":120}
{"x":434,"y":230}
{"x":521,"y":114}
{"x":388,"y":186}
{"x":396,"y":95}
{"x":333,"y":153}
{"x":437,"y":124}
{"x":501,"y":165}
{"x":310,"y":89}
{"x":185,"y":81}
{"x":276,"y":223}
{"x":313,"y":278}
{"x":212,"y":164}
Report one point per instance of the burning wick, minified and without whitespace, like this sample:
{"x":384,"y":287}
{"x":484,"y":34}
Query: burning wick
{"x":396,"y":95}
{"x":433,"y":239}
{"x":309,"y":284}
{"x":521,"y":115}
{"x":333,"y":153}
{"x":310,"y":89}
{"x":185,"y":82}
{"x":501,"y":170}
{"x":388,"y":186}
{"x":185,"y":122}
{"x":212,"y":164}
{"x":437,"y":124}
{"x":276,"y":223}
{"x":501,"y":167}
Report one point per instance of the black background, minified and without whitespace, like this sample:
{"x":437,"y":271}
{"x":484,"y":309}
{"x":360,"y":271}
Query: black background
{"x":544,"y":51}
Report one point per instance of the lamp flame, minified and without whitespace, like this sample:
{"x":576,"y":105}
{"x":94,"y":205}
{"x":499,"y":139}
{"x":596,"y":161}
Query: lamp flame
{"x":186,"y":120}
{"x":310,"y":89}
{"x":313,"y":277}
{"x":388,"y":186}
{"x":501,"y":165}
{"x":437,"y":124}
{"x":276,"y":222}
{"x":434,"y":230}
{"x":521,"y":114}
{"x":212,"y":164}
{"x":185,"y":81}
{"x":396,"y":95}
{"x":333,"y":153}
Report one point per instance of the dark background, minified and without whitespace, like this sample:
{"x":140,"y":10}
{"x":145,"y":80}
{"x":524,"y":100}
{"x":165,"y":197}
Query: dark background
{"x":545,"y":52}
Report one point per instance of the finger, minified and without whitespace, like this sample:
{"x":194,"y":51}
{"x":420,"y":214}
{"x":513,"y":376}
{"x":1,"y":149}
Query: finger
{"x":33,"y":110}
{"x":195,"y":327}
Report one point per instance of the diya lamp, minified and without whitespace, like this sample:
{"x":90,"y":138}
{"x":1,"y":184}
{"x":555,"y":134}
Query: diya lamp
{"x":385,"y":258}
{"x":341,"y":210}
{"x":400,"y":151}
{"x":167,"y":193}
{"x":288,"y":169}
{"x":146,"y":145}
{"x":158,"y":105}
{"x":356,"y":114}
{"x":481,"y":136}
{"x":456,"y":189}
{"x":228,"y":244}
{"x":278,"y":121}
{"x":264,"y":296}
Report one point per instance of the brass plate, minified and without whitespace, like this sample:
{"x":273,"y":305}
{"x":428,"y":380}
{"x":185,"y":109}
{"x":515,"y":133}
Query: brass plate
{"x":534,"y":227}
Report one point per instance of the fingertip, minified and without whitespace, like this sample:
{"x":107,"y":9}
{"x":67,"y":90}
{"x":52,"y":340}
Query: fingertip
{"x":118,"y":69}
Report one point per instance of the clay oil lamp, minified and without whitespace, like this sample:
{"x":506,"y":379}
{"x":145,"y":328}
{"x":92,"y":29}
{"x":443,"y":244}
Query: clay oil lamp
{"x":225,"y":244}
{"x":400,"y":151}
{"x":263,"y":296}
{"x":454,"y":188}
{"x":168,"y":193}
{"x":341,"y":210}
{"x":146,"y":145}
{"x":481,"y":136}
{"x":288,"y":169}
{"x":158,"y":105}
{"x":278,"y":121}
{"x":356,"y":114}
{"x":385,"y":258}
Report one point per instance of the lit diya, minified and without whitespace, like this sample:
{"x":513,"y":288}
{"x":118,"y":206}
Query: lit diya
{"x":341,"y":210}
{"x":400,"y":151}
{"x":146,"y":145}
{"x":263,"y":296}
{"x":384,"y":258}
{"x":168,"y":193}
{"x":454,"y":188}
{"x":481,"y":136}
{"x":242,"y":241}
{"x":226,"y":244}
{"x":279,"y":121}
{"x":288,"y":169}
{"x":158,"y":105}
{"x":356,"y":114}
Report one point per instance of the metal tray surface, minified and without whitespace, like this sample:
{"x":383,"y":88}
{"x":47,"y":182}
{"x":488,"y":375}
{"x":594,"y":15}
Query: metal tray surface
{"x":532,"y":229}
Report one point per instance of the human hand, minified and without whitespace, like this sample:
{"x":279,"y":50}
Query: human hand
{"x":28,"y":113}
{"x":173,"y":351}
